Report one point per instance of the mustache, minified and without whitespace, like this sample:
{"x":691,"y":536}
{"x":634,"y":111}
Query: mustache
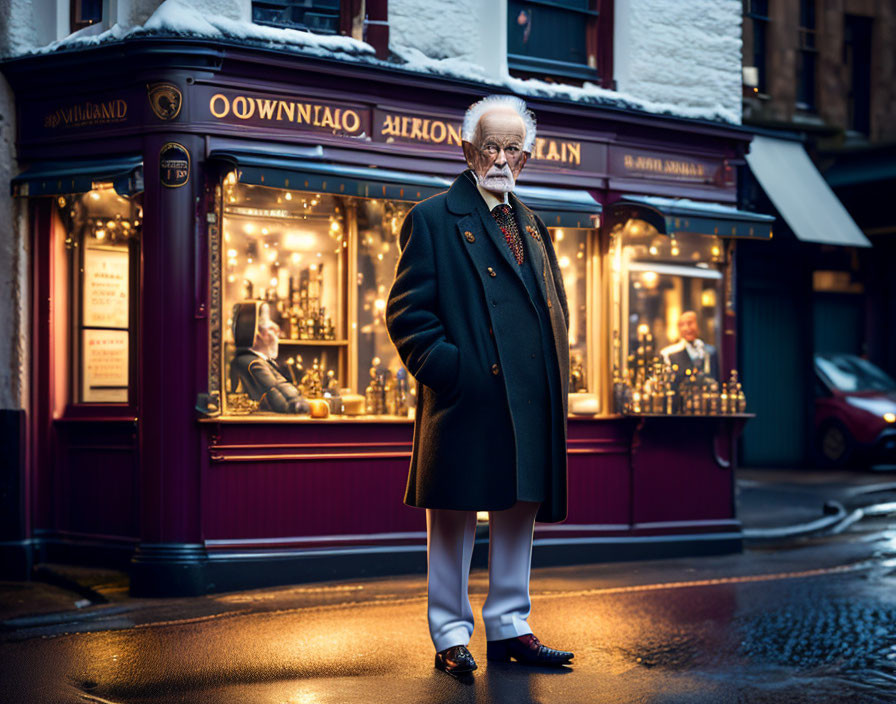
{"x":496,"y":170}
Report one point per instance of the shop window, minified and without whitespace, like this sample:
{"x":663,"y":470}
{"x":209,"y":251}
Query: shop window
{"x":102,"y":234}
{"x":806,"y":57}
{"x":318,"y":16}
{"x":84,"y":13}
{"x":572,"y":246}
{"x":585,"y":54}
{"x":666,"y":334}
{"x":314,"y":269}
{"x":756,"y":13}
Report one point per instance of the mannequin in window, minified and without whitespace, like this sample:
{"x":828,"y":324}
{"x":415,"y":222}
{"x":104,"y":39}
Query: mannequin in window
{"x":690,"y":352}
{"x":255,"y":366}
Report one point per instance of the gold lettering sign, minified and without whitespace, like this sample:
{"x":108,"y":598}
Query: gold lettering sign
{"x":88,"y":113}
{"x":675,"y":168}
{"x":433,"y":131}
{"x":246,"y":107}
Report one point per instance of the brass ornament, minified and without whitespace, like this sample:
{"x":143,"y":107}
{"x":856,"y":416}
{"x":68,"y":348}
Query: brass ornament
{"x":165,"y":99}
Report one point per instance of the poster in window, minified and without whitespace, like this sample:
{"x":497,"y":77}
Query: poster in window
{"x":106,"y":288}
{"x":105,"y":370}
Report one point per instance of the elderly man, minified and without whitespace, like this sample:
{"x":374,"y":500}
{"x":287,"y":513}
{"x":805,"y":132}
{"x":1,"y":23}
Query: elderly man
{"x":690,"y":352}
{"x":478,"y":315}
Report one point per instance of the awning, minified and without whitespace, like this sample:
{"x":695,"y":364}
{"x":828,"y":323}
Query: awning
{"x":561,"y":207}
{"x":52,"y":178}
{"x":800,"y":194}
{"x":681,"y":215}
{"x":303,"y":175}
{"x":556,"y":206}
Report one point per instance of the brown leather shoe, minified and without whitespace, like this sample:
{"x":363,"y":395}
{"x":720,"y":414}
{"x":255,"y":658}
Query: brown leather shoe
{"x":526,"y":650}
{"x":456,"y":660}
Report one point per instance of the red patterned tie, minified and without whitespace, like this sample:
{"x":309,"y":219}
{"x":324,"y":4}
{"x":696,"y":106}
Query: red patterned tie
{"x":503,"y":215}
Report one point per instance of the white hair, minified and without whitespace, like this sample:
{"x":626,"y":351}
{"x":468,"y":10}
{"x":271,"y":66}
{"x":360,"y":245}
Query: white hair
{"x":480,"y":107}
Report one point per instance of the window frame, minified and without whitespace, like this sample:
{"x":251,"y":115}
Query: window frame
{"x":345,"y":15}
{"x":598,"y":28}
{"x":75,"y":20}
{"x":807,"y":57}
{"x":760,"y":25}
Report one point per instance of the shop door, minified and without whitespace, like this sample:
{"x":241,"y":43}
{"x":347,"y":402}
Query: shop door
{"x":84,"y":424}
{"x":773,"y":376}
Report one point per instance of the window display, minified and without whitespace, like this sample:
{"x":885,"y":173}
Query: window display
{"x":572,"y":246}
{"x":305,"y":277}
{"x":666,"y":300}
{"x":102,"y":231}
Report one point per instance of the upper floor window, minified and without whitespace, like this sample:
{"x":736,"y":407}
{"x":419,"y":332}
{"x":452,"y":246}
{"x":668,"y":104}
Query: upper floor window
{"x":755,"y":33}
{"x":586,"y":29}
{"x":806,"y":57}
{"x":857,"y":57}
{"x":85,"y":13}
{"x":319,"y":16}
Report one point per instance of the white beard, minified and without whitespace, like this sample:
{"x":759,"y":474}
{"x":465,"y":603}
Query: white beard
{"x":498,"y":180}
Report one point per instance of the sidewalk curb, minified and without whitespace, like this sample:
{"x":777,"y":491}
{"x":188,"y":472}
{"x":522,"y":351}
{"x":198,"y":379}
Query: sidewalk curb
{"x":59,"y":617}
{"x":799,"y":529}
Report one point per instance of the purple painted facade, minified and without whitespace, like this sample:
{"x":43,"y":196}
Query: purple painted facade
{"x":198,"y":503}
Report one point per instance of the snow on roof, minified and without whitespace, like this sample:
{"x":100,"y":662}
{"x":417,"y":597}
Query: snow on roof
{"x":179,"y":19}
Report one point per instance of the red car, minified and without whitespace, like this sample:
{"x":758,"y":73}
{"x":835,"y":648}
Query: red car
{"x":855,"y":412}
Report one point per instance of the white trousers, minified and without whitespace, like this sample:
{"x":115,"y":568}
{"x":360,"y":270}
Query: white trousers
{"x":449,"y":548}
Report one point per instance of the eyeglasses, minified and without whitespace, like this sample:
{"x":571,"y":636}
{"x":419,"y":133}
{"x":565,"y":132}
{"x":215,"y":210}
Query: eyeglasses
{"x":492,"y":149}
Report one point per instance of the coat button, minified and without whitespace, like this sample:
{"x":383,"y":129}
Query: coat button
{"x":495,"y":369}
{"x":491,"y":272}
{"x":470,"y":236}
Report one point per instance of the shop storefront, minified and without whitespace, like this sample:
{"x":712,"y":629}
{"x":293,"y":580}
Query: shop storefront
{"x":166,"y":208}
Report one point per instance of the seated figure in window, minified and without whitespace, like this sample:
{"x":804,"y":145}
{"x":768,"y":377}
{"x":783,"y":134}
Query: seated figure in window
{"x":690,"y":353}
{"x":255,"y":365}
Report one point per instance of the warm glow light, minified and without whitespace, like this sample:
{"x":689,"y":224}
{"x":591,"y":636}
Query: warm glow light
{"x":231,"y":278}
{"x":264,"y":230}
{"x":274,"y":281}
{"x":653,"y":250}
{"x":716,"y":251}
{"x":379,"y":304}
{"x":248,"y":228}
{"x":272,"y":256}
{"x":564,"y":262}
{"x":643,"y":329}
{"x":482,"y":516}
{"x":231,"y":253}
{"x":101,"y":234}
{"x":649,"y":278}
{"x":231,"y":178}
{"x":299,"y":240}
{"x":94,"y":195}
{"x":890,"y":417}
{"x":296,"y":257}
{"x":675,"y":250}
{"x":313,"y":267}
{"x":708,"y":298}
{"x":334,"y":226}
{"x":558,"y":234}
{"x":288,"y":196}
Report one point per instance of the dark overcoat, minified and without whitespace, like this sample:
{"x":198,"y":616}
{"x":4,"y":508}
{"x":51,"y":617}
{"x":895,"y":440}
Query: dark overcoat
{"x":451,"y":315}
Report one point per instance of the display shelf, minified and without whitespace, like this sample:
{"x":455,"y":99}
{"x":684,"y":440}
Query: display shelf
{"x":312,"y":343}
